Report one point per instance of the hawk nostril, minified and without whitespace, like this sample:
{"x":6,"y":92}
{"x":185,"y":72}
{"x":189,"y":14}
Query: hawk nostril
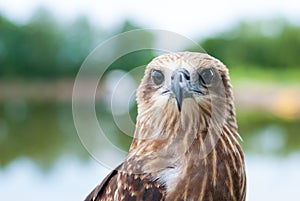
{"x":187,"y":76}
{"x":182,"y":73}
{"x":180,"y":78}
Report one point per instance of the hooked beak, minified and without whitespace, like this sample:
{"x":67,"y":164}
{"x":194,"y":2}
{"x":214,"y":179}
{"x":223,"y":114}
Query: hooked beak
{"x":181,"y":86}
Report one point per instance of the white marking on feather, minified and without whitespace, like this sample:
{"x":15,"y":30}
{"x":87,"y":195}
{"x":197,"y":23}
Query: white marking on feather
{"x":203,"y":146}
{"x":116,"y":195}
{"x":228,"y":152}
{"x":243,"y":185}
{"x":230,"y":180}
{"x":203,"y":187}
{"x":214,"y":159}
{"x":230,"y":136}
{"x":169,"y":177}
{"x":223,"y":144}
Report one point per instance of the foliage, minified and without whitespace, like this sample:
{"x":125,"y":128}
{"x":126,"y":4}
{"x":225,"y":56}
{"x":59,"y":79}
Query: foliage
{"x":44,"y":48}
{"x":48,"y":48}
{"x":267,"y":44}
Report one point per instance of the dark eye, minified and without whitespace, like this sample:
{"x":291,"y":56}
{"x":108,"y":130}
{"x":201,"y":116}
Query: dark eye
{"x":157,"y":77}
{"x":206,"y":76}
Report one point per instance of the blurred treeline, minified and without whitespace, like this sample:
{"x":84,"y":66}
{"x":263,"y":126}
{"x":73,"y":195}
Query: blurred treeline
{"x":270,"y":44}
{"x":44,"y":47}
{"x":49,"y":48}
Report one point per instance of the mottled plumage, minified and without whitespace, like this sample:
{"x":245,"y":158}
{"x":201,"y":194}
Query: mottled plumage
{"x":185,"y":145}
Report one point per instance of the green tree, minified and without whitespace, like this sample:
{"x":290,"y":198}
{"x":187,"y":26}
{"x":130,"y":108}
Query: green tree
{"x":274,"y":44}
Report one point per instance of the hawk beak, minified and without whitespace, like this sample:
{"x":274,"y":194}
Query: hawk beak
{"x":180,"y":85}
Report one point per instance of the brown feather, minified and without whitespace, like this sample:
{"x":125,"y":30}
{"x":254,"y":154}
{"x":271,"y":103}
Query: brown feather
{"x":96,"y":193}
{"x":192,"y":154}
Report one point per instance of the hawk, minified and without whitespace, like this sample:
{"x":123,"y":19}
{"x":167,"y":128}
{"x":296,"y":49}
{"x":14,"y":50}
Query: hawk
{"x":186,"y":143}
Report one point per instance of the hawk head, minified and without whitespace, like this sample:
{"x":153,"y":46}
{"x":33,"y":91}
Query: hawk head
{"x":182,"y":79}
{"x":182,"y":97}
{"x":187,"y":86}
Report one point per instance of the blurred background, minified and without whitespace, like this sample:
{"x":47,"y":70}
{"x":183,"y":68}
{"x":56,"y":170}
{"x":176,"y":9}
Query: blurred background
{"x":43,"y":44}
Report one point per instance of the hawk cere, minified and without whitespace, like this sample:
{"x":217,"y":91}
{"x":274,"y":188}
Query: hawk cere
{"x":185,"y":145}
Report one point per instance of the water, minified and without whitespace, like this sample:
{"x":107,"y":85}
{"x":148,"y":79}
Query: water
{"x":269,"y":178}
{"x":42,"y":157}
{"x":272,"y":178}
{"x":68,"y":180}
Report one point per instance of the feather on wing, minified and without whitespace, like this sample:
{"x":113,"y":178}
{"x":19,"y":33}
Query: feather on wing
{"x":120,"y":185}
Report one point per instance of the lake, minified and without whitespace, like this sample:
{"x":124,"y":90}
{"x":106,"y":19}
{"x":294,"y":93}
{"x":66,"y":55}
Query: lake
{"x":42,"y":156}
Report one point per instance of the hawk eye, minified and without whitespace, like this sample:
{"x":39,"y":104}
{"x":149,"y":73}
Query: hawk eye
{"x":206,"y":76}
{"x":157,"y":77}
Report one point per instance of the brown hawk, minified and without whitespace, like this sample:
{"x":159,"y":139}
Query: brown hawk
{"x":185,"y":144}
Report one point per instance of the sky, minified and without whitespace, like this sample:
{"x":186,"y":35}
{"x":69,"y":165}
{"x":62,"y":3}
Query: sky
{"x":189,"y":18}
